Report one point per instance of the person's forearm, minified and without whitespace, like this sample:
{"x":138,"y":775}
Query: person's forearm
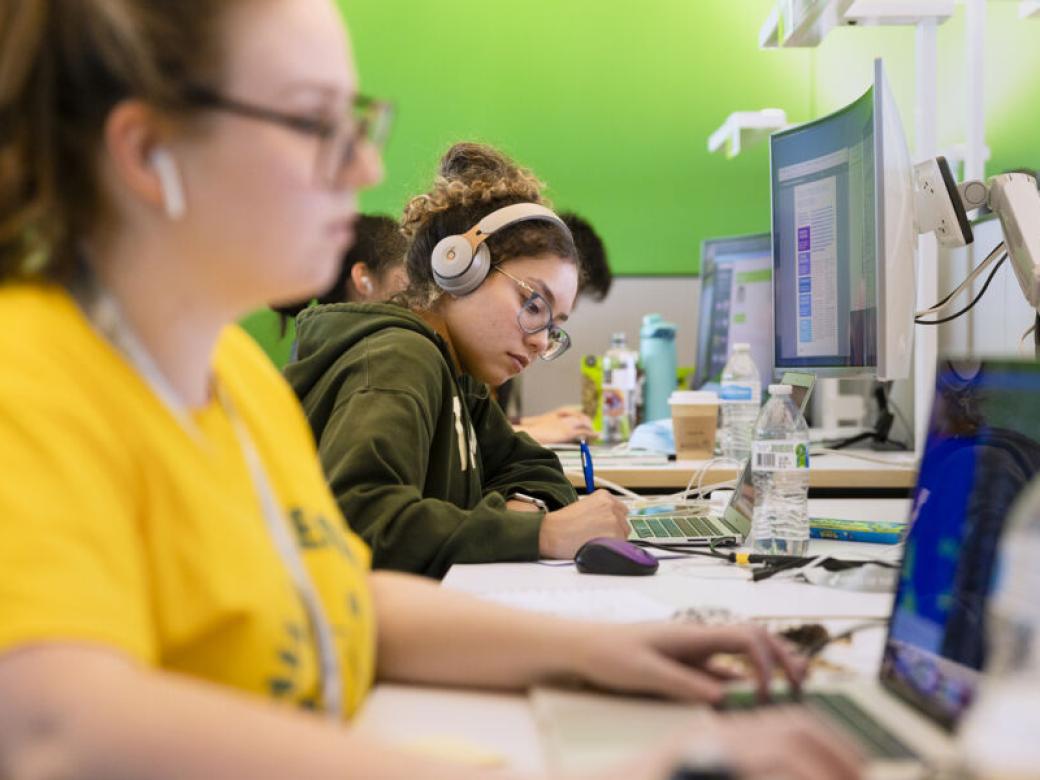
{"x":432,"y":635}
{"x":73,"y":712}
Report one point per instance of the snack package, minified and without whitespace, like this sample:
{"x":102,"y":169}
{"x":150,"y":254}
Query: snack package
{"x":592,"y":390}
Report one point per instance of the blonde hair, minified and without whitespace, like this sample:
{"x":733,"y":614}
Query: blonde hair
{"x":472,"y":181}
{"x":64,"y":64}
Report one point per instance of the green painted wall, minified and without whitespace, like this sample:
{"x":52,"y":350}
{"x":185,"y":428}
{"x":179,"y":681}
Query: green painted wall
{"x":612,"y":104}
{"x":612,"y":108}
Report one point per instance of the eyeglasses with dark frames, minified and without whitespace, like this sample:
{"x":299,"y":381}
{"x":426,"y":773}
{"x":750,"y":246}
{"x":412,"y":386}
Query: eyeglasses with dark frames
{"x":536,"y":315}
{"x":365,"y":120}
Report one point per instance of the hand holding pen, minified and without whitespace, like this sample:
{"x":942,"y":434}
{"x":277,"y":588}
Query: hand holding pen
{"x":599,"y":513}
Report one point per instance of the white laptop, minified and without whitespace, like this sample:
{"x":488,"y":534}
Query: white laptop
{"x":693,"y":523}
{"x":983,"y":448}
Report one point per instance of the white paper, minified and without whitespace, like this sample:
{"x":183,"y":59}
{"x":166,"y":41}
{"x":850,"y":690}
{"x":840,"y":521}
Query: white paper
{"x":611,"y":605}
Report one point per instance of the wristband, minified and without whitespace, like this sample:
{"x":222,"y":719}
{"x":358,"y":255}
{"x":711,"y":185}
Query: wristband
{"x":529,"y":500}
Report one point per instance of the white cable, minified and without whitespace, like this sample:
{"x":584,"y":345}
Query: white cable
{"x":604,"y":483}
{"x":975,"y":273}
{"x":964,"y":285}
{"x":701,"y":492}
{"x":699,"y":474}
{"x":732,"y":482}
{"x":683,"y":495}
{"x":696,"y":475}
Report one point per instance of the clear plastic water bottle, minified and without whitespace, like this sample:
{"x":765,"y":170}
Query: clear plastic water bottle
{"x":780,"y":474}
{"x":620,"y":386}
{"x":741,"y":397}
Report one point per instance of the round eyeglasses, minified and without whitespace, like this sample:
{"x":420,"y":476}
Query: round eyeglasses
{"x":535,"y":315}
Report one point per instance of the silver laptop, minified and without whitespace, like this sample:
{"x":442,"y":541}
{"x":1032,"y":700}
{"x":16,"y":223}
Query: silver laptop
{"x":692,"y":524}
{"x":983,"y":448}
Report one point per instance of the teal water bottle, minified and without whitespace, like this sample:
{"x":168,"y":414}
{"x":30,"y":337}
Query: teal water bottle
{"x":657,"y":354}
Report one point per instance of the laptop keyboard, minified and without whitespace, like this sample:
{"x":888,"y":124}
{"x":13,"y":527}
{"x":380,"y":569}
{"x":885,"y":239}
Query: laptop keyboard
{"x":681,"y":525}
{"x":665,"y":526}
{"x":874,"y":738}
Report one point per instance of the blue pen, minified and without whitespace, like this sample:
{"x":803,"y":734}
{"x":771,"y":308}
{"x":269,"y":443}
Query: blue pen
{"x":586,"y":467}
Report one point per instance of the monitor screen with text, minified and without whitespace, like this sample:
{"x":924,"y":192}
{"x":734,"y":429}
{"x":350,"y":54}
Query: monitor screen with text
{"x":824,"y":242}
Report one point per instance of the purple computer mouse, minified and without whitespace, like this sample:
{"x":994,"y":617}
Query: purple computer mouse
{"x":604,"y":555}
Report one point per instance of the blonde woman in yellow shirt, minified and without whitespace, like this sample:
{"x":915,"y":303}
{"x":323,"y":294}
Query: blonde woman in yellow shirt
{"x":178,"y":594}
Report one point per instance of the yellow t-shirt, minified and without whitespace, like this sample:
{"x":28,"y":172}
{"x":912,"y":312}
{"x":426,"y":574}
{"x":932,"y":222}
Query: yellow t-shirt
{"x":118,"y":527}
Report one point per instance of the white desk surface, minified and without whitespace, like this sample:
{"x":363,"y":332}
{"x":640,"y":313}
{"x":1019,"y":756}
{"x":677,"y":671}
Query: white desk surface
{"x":433,"y":720}
{"x":706,"y":583}
{"x":857,"y":470}
{"x":502,"y":725}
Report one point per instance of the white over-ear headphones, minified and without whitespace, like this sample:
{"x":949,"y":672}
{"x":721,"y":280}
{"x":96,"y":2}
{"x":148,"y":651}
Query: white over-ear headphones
{"x":169,"y":182}
{"x":462,"y":261}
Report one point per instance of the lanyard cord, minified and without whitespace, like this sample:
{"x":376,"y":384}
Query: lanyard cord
{"x":103,"y":312}
{"x":331,"y":691}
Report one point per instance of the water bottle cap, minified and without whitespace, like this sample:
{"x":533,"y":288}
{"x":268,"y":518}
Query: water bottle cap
{"x":779,"y":389}
{"x":654,"y":326}
{"x":741,"y":345}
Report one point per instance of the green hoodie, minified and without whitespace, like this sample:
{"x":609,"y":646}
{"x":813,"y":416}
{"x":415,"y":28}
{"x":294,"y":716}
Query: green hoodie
{"x":419,"y":456}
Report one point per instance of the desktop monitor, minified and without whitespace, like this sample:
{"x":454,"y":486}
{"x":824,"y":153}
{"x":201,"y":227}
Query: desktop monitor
{"x":736,"y":304}
{"x":843,"y":241}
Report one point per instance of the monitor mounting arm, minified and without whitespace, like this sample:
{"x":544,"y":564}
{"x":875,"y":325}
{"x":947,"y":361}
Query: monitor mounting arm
{"x":1014,"y":198}
{"x":941,"y":206}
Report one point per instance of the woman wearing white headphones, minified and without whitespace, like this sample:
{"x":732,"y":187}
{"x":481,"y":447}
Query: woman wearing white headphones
{"x":420,"y":458}
{"x":179,"y":596}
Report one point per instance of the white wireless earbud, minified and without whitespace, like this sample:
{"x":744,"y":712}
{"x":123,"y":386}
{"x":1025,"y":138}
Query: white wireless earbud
{"x":169,"y":182}
{"x":366,"y":285}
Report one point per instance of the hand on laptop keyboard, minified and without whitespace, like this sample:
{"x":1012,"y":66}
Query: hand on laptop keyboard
{"x":681,"y":661}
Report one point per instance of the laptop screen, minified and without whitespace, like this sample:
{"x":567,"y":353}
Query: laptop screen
{"x":983,"y":448}
{"x":736,"y":304}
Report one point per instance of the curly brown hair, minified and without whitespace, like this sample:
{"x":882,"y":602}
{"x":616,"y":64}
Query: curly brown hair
{"x":474,"y":180}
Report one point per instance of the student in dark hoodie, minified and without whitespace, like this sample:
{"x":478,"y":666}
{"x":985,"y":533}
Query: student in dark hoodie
{"x":424,"y":464}
{"x":177,"y":595}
